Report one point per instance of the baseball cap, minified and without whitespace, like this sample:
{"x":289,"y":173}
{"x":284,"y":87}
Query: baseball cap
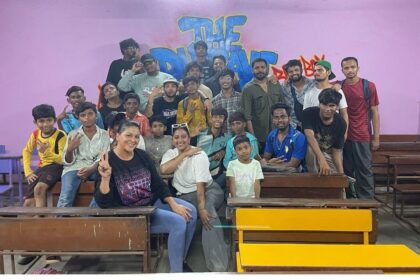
{"x":326,"y":65}
{"x":146,"y":58}
{"x":170,"y":80}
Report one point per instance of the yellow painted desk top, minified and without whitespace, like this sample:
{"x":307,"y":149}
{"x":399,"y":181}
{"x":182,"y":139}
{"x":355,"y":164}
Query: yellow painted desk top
{"x":325,"y":256}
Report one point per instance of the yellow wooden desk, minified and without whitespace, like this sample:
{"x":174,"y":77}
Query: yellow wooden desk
{"x":278,"y":257}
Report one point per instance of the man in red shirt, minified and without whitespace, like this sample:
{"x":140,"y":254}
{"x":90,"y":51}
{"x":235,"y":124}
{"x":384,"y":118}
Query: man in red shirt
{"x":362,"y":100}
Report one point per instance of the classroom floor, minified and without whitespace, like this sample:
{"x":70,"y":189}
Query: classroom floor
{"x":391,"y":231}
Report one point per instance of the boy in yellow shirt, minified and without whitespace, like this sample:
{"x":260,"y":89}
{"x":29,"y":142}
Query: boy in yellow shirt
{"x":49,"y":141}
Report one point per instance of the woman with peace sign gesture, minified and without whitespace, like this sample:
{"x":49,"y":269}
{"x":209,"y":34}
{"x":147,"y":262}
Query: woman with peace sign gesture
{"x":129,"y":178}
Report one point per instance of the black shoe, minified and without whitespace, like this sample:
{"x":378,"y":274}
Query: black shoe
{"x":186,"y":267}
{"x":24,"y":260}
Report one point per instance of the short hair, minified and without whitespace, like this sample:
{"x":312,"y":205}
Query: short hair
{"x":281,"y":106}
{"x":200,"y":43}
{"x":124,"y":124}
{"x":221,"y":57}
{"x":219,"y":111}
{"x":102,"y":99}
{"x":85,"y":106}
{"x":292,"y":63}
{"x":43,"y":111}
{"x":227,"y":72}
{"x":240,"y":139}
{"x":191,"y":65}
{"x":73,"y":89}
{"x":190,"y":79}
{"x":131,"y":95}
{"x":158,"y":118}
{"x":125,"y":44}
{"x":114,"y":119}
{"x":329,"y":95}
{"x":259,"y":60}
{"x":349,"y":58}
{"x":237,"y":116}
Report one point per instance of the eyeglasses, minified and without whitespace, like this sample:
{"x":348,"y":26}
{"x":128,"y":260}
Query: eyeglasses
{"x":178,"y":125}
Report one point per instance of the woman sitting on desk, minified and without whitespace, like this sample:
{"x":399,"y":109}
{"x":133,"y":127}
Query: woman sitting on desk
{"x":129,"y":178}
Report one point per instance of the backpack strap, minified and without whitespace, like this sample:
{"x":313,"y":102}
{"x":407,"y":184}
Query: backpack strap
{"x":185,"y":104}
{"x":366,"y":97}
{"x":57,"y":140}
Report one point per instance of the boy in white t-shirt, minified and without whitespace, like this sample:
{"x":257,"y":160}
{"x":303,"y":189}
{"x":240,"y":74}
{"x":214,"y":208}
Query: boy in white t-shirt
{"x":244,"y":174}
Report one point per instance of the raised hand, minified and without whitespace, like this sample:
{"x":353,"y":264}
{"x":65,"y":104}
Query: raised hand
{"x":104,"y":168}
{"x":41,"y":147}
{"x":138,"y":66}
{"x":63,"y":114}
{"x":74,"y":142}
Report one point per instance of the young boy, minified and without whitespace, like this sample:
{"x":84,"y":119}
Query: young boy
{"x":245,"y":172}
{"x":191,"y":109}
{"x":81,"y":153}
{"x":238,"y":124}
{"x":157,"y":144}
{"x":131,"y":106}
{"x":68,"y":121}
{"x":113,"y":121}
{"x":49,"y":141}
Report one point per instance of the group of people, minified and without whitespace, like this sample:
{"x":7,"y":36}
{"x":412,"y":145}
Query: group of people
{"x":185,"y":146}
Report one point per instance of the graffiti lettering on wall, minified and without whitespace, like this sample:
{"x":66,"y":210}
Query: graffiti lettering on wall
{"x":307,"y":65}
{"x":221,"y":38}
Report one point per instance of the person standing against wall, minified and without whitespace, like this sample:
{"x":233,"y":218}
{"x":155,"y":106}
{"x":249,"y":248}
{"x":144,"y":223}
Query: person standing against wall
{"x":362,"y":100}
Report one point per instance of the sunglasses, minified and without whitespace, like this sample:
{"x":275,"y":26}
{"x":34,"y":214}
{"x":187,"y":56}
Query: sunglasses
{"x":178,"y":125}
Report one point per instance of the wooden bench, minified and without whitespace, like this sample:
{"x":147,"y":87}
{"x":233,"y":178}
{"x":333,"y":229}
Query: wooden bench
{"x":254,"y":257}
{"x":83,"y":198}
{"x":303,"y":185}
{"x":75,"y":231}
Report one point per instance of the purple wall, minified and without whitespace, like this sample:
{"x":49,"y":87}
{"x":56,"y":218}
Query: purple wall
{"x":47,"y":46}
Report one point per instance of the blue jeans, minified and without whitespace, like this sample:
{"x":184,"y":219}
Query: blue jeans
{"x":163,"y":220}
{"x":70,"y":184}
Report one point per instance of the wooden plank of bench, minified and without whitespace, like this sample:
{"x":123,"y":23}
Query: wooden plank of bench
{"x":75,"y":211}
{"x":83,"y":198}
{"x":302,"y":202}
{"x":408,"y":188}
{"x":303,"y":185}
{"x":274,"y":257}
{"x":399,"y":137}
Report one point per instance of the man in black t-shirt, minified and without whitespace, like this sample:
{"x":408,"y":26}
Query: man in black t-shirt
{"x":131,"y":52}
{"x":167,"y":104}
{"x":324,"y":129}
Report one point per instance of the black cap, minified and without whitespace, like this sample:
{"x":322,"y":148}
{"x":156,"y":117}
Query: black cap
{"x":146,"y":58}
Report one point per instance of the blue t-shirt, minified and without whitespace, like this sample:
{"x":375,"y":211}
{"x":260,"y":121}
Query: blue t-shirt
{"x":71,"y":122}
{"x":230,"y":150}
{"x":293,"y":145}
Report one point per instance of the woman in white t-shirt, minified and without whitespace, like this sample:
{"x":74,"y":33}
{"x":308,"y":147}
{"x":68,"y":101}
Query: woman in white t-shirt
{"x":193,"y":182}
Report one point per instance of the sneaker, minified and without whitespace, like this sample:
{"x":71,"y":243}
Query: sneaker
{"x":52,"y":259}
{"x":24,"y":260}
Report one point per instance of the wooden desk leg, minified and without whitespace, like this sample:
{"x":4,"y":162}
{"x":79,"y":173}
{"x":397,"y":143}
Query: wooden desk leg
{"x":146,"y":255}
{"x":2,"y":264}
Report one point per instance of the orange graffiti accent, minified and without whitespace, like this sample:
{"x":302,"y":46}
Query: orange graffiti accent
{"x":280,"y":74}
{"x":308,"y":66}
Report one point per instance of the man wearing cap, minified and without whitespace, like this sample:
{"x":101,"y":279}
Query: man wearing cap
{"x":322,"y":76}
{"x":144,"y":84}
{"x":131,"y":52}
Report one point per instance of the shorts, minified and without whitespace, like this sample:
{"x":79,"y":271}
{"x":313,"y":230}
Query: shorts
{"x":49,"y":174}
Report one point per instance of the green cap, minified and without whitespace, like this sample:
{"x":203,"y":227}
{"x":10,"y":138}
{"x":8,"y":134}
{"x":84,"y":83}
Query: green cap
{"x":326,"y":65}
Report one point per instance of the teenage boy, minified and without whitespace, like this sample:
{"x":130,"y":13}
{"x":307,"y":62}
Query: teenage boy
{"x":324,"y":129}
{"x":285,"y":147}
{"x":213,"y":142}
{"x":200,"y":49}
{"x":191,"y":110}
{"x":157,"y":143}
{"x":81,"y":153}
{"x":238,"y":124}
{"x":49,"y":142}
{"x":244,"y":173}
{"x":67,"y":120}
{"x":131,"y":106}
